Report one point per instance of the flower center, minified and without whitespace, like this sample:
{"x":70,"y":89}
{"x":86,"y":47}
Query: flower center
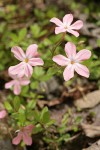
{"x":72,"y":62}
{"x":66,"y":26}
{"x":26,"y":60}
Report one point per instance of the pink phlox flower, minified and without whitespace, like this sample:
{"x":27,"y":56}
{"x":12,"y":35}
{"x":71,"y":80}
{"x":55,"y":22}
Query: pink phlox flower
{"x":72,"y":61}
{"x":66,"y":26}
{"x":3,"y":114}
{"x":25,"y":135}
{"x":16,"y":83}
{"x":31,"y":58}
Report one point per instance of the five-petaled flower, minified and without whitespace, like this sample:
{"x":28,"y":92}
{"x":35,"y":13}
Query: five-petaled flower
{"x":72,"y":61}
{"x":3,"y":114}
{"x":66,"y":25}
{"x":31,"y":58}
{"x":16,"y":83}
{"x":25,"y":135}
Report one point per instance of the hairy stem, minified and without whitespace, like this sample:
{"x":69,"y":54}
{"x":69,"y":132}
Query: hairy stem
{"x":58,"y":43}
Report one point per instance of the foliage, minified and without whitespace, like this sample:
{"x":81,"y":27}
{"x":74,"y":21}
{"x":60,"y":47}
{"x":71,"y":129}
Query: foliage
{"x":23,"y":31}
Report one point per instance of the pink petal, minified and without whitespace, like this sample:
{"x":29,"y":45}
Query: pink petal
{"x":17,"y":89}
{"x":29,"y":129}
{"x":18,"y":53}
{"x":75,"y":33}
{"x":24,"y":81}
{"x":70,"y":50}
{"x":83,"y":55}
{"x":77,"y":25}
{"x":21,"y":74}
{"x":8,"y":85}
{"x":13,"y":76}
{"x":28,"y":70}
{"x":36,"y":62}
{"x":59,"y":30}
{"x":56,"y":21}
{"x":17,"y":139}
{"x":27,"y":139}
{"x":32,"y":51}
{"x":82,"y":70}
{"x":61,"y":60}
{"x":16,"y":69}
{"x":67,"y":19}
{"x":3,"y":114}
{"x":68,"y":72}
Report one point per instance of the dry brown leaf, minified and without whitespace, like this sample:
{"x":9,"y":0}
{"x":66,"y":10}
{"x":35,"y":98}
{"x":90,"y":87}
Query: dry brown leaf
{"x":88,"y":101}
{"x":91,"y":130}
{"x":95,"y":146}
{"x":42,"y":103}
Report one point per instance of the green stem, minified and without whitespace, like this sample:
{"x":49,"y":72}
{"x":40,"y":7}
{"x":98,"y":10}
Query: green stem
{"x":58,"y":43}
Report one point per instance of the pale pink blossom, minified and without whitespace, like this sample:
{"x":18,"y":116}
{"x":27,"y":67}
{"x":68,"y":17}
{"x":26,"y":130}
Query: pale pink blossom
{"x":72,"y":61}
{"x":25,"y":135}
{"x":16,"y":83}
{"x":66,"y":26}
{"x":31,"y":58}
{"x":3,"y":114}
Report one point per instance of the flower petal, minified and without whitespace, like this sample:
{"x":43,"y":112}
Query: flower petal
{"x":18,"y":53}
{"x":27,"y":139}
{"x":77,"y":25}
{"x":61,"y":60}
{"x":36,"y":62}
{"x":24,"y":81}
{"x":17,"y":88}
{"x":68,"y":72}
{"x":32,"y":51}
{"x":67,"y":19}
{"x":16,"y":69}
{"x":59,"y":30}
{"x":29,"y":129}
{"x":75,"y":33}
{"x":70,"y":50}
{"x":82,"y":70}
{"x":8,"y":85}
{"x":83,"y":55}
{"x":28,"y":70}
{"x":56,"y":21}
{"x":3,"y":114}
{"x":17,"y":139}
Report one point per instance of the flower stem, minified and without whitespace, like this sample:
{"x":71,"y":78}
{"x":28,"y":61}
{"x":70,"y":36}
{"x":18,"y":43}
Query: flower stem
{"x":58,"y":43}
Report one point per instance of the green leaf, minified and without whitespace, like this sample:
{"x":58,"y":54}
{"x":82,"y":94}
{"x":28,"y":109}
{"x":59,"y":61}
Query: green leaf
{"x":51,"y":122}
{"x":22,"y":118}
{"x":25,"y":91}
{"x":45,"y":115}
{"x":8,"y":106}
{"x":62,"y":129}
{"x":14,"y":37}
{"x":38,"y":71}
{"x":75,"y":128}
{"x":45,"y":77}
{"x":36,"y":115}
{"x":34,"y":84}
{"x":16,"y":103}
{"x":78,"y":119}
{"x":29,"y":114}
{"x":31,"y":104}
{"x":35,"y":30}
{"x":22,"y":33}
{"x":64,"y":137}
{"x":65,"y":119}
{"x":52,"y":70}
{"x":37,"y":129}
